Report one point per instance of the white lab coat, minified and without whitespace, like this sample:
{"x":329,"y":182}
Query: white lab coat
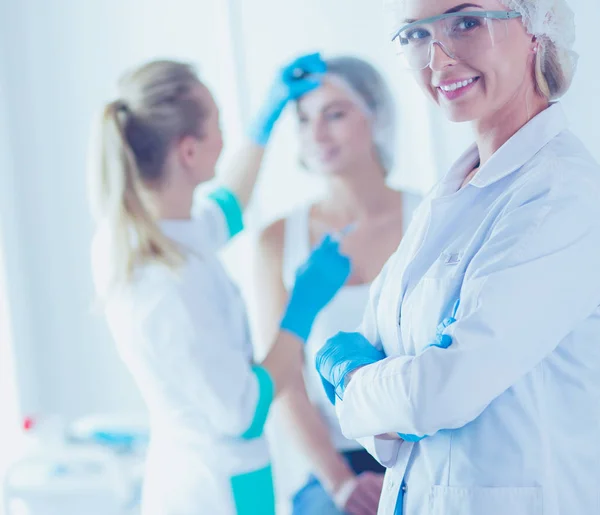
{"x":184,"y":337}
{"x":511,"y":406}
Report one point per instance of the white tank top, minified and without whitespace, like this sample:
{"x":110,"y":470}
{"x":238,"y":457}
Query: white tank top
{"x":343,"y":313}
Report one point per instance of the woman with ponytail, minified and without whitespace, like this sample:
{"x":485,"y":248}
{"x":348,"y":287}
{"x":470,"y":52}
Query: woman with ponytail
{"x":178,"y":321}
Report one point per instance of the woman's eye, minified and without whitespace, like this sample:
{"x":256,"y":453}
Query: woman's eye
{"x":335,"y":115}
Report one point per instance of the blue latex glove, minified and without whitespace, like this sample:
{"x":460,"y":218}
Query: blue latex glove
{"x":294,"y":80}
{"x":317,"y":281}
{"x":341,"y":355}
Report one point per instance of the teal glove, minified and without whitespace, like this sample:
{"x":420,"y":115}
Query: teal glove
{"x":317,"y":282}
{"x":293,"y":81}
{"x":341,"y":355}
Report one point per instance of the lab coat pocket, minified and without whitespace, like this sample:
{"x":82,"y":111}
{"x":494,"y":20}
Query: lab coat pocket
{"x":445,"y":500}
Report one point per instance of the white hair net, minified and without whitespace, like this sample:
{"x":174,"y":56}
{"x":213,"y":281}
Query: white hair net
{"x":373,"y":95}
{"x":553,"y":21}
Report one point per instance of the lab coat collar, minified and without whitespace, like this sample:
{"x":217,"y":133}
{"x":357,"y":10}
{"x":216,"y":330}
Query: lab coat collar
{"x":187,"y":233}
{"x":511,"y":156}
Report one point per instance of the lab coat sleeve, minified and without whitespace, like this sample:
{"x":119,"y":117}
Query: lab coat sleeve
{"x":383,"y":450}
{"x":219,"y":218}
{"x":532,"y":282}
{"x":191,"y":362}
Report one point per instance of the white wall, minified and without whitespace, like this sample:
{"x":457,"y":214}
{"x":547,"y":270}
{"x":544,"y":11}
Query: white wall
{"x":581,"y":102}
{"x":8,"y":317}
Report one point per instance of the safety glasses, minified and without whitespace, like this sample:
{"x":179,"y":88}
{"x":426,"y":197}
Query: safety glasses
{"x":462,"y":35}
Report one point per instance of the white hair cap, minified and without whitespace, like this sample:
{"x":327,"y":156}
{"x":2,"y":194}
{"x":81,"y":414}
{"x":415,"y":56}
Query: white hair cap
{"x":550,"y":20}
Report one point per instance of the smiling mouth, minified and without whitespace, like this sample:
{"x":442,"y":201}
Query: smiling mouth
{"x":448,"y":88}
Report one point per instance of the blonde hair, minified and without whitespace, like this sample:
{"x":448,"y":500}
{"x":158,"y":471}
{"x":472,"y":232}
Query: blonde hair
{"x":157,"y":107}
{"x":553,"y":75}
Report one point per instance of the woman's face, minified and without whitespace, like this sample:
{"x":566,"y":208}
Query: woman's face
{"x":488,"y":81}
{"x":335,"y":133}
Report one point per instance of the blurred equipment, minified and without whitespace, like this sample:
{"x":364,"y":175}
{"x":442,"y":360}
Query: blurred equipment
{"x":93,"y":467}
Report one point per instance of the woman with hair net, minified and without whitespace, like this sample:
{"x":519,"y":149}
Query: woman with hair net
{"x":347,"y":132}
{"x":475,"y":377}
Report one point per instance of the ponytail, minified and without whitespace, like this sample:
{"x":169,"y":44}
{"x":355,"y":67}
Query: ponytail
{"x":158,"y":106}
{"x":118,"y":201}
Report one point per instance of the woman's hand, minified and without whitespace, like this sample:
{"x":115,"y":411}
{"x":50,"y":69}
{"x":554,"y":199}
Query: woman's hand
{"x":343,"y":354}
{"x":361,"y":495}
{"x":294,"y":80}
{"x":317,"y":281}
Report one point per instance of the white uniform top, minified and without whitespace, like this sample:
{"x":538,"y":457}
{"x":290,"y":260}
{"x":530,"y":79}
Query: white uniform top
{"x":343,"y":313}
{"x":184,"y":337}
{"x":512,"y":404}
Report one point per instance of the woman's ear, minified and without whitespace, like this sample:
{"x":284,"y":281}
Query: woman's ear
{"x":187,"y":152}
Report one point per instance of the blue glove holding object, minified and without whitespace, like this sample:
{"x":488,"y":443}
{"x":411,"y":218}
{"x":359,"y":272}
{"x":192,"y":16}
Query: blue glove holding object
{"x":317,"y":282}
{"x":341,"y":355}
{"x":293,"y":81}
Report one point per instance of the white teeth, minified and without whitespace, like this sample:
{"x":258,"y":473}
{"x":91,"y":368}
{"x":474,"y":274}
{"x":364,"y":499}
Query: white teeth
{"x":456,"y":85}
